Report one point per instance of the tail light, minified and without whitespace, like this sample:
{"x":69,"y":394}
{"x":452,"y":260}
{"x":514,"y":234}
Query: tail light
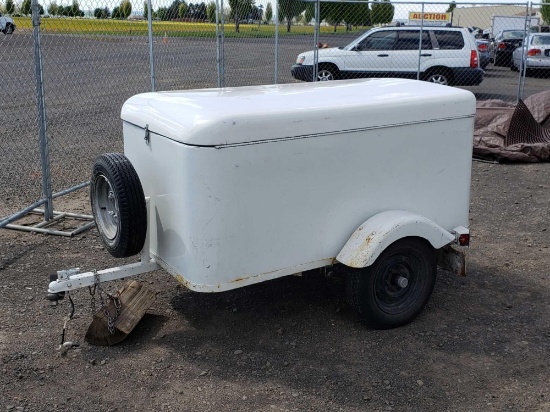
{"x":464,"y":239}
{"x":474,"y":62}
{"x":482,"y":47}
{"x":534,"y":52}
{"x":501,"y":46}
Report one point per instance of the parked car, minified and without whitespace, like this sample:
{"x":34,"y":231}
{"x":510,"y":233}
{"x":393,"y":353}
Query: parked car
{"x":536,"y":53}
{"x":7,"y":26}
{"x":503,"y":45}
{"x":448,"y":56}
{"x":483,"y":50}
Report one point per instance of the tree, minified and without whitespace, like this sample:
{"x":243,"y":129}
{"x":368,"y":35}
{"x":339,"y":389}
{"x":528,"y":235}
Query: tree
{"x":288,"y":9}
{"x":211,"y":12}
{"x":10,"y":7}
{"x":182,"y":9}
{"x":162,"y":13}
{"x":240,"y":9}
{"x":451,"y":7}
{"x":382,"y":12}
{"x":100,"y":13}
{"x":125,"y":9}
{"x":268,"y":12}
{"x":357,"y":15}
{"x":145,"y":10}
{"x":544,"y":11}
{"x":26,"y":7}
{"x":53,"y":9}
{"x":72,"y":11}
{"x":172,"y":11}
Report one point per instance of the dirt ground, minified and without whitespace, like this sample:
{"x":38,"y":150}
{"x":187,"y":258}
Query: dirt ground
{"x":481,"y":344}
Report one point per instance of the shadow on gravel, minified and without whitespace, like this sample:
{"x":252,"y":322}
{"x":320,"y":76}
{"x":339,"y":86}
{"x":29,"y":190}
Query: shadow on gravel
{"x":297,"y":333}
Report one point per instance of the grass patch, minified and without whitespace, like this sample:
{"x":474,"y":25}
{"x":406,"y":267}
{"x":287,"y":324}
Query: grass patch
{"x":168,"y":28}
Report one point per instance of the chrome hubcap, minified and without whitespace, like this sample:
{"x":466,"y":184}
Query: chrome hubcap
{"x":106,"y":206}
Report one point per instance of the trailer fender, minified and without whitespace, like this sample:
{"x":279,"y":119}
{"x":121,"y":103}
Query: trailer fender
{"x":381,"y":230}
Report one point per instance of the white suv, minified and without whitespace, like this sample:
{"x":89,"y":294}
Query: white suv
{"x":448,"y":56}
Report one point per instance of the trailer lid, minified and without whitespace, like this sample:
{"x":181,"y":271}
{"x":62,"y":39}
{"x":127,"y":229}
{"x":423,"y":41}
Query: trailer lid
{"x":233,"y":115}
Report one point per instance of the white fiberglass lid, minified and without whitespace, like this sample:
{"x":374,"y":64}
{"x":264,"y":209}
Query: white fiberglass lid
{"x":214,"y":117}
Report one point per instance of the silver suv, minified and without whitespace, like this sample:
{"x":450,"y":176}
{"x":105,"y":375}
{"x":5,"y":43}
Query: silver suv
{"x":448,"y":56}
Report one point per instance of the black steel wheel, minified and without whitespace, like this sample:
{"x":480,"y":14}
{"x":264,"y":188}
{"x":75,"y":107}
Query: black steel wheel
{"x":395,"y":288}
{"x":8,"y":29}
{"x":118,"y":205}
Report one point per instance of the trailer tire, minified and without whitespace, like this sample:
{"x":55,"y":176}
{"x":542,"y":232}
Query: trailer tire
{"x":118,"y":205}
{"x":379,"y":293}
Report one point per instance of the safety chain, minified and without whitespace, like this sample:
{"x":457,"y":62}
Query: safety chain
{"x":115,"y":298}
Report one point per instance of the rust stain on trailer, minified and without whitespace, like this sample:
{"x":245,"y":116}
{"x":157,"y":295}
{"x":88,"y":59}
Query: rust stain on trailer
{"x":238,"y":280}
{"x":181,"y":280}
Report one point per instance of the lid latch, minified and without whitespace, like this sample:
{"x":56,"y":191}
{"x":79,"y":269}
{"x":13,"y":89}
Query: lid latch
{"x":147,"y":137}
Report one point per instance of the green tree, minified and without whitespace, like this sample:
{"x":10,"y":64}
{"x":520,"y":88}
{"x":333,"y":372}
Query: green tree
{"x":240,"y":9}
{"x":268,"y":12}
{"x":26,"y":7}
{"x":211,"y":12}
{"x":357,"y":14}
{"x":102,"y":13}
{"x":10,"y":7}
{"x":382,"y":12}
{"x":162,"y":13}
{"x":73,"y":10}
{"x":145,"y":10}
{"x":182,"y":9}
{"x":53,"y":9}
{"x":544,"y":11}
{"x":125,"y":9}
{"x":451,"y":7}
{"x":288,"y":9}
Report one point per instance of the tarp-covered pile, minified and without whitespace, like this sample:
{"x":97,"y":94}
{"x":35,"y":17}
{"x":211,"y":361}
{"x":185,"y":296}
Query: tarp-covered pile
{"x":514,"y":133}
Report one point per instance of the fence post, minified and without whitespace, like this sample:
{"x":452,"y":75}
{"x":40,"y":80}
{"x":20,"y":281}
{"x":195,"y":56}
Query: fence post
{"x":276,"y":80}
{"x":151,"y":54}
{"x":222,"y":64}
{"x":420,"y":43}
{"x":218,"y":44}
{"x":522,"y":71}
{"x":315,"y":72}
{"x":42,"y":119}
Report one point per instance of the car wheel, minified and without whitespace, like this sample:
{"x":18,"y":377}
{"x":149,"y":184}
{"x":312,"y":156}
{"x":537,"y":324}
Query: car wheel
{"x":513,"y":67}
{"x":9,"y":29}
{"x":396,"y":287}
{"x":438,"y":77}
{"x":118,"y":205}
{"x":326,"y":73}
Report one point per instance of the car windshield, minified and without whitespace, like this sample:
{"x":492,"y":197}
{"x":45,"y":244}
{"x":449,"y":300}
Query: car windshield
{"x":512,"y":35}
{"x":541,"y":41}
{"x":348,"y":46}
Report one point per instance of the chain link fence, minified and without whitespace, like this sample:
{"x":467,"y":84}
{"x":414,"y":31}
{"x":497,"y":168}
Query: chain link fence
{"x":96,"y":53}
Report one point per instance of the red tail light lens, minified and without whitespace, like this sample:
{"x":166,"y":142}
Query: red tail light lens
{"x":482,"y":47}
{"x":464,"y":240}
{"x":534,"y":52}
{"x":501,"y":46}
{"x":473,"y":59}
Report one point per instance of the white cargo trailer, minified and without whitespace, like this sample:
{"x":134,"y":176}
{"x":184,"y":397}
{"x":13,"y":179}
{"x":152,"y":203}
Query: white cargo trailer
{"x":499,"y":23}
{"x":243,"y":185}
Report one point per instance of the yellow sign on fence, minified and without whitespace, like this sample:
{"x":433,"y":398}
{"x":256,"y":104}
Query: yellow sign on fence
{"x":430,"y":19}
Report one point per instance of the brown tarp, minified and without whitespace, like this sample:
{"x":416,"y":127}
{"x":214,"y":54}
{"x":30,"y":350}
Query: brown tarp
{"x":506,"y":132}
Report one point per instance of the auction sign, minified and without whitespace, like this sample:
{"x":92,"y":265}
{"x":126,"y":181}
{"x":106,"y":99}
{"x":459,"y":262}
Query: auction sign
{"x":430,"y":19}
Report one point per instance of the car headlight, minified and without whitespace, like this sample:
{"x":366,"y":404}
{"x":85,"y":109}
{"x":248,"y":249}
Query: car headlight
{"x":300,"y":59}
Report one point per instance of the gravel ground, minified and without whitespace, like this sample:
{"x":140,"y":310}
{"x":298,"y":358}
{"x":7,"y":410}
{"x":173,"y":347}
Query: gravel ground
{"x":292,"y":344}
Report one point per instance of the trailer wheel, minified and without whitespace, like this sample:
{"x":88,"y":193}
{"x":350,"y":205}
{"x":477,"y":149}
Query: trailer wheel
{"x":395,"y":288}
{"x":118,"y":205}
